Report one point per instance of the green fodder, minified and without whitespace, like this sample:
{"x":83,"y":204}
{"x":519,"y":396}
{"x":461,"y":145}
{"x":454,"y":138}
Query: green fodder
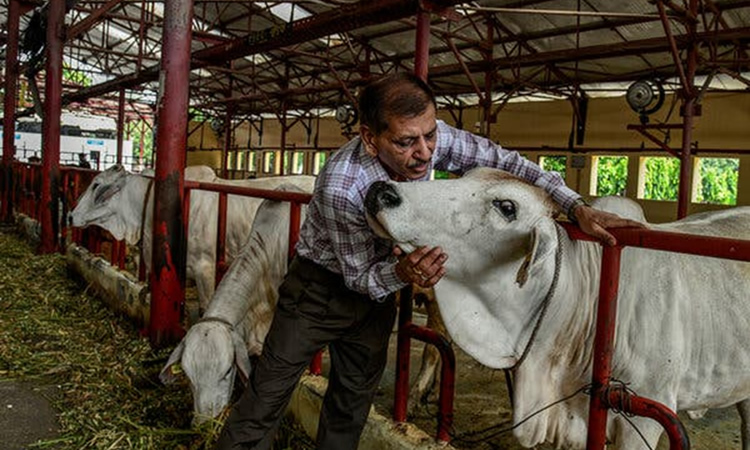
{"x":53,"y":332}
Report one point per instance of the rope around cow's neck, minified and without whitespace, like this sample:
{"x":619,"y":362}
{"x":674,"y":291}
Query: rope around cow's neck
{"x":547,"y":298}
{"x":216,"y":319}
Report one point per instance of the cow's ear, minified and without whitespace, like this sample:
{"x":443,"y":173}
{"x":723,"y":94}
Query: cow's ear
{"x":172,"y":369}
{"x":241,"y":358}
{"x":541,"y":246}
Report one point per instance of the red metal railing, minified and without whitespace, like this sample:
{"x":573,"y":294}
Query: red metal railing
{"x":603,"y":393}
{"x":27,"y":197}
{"x":74,"y":182}
{"x":407,"y":331}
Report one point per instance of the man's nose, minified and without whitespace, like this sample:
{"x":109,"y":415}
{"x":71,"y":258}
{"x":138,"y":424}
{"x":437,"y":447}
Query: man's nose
{"x":381,"y":195}
{"x":423,"y":150}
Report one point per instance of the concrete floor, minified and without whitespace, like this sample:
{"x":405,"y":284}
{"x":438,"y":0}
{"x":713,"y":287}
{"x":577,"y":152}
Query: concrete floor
{"x":26,"y":414}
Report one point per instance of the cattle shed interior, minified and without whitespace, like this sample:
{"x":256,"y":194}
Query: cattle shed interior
{"x":646,"y":99}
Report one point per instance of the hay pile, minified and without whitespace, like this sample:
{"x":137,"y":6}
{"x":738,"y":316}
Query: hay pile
{"x":52,"y":332}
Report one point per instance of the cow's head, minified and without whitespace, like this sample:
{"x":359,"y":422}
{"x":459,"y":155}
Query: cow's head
{"x":497,"y":231}
{"x":210,"y":355}
{"x":102,"y":203}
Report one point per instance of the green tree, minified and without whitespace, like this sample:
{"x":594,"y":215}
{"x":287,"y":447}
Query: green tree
{"x":611,"y":175}
{"x":75,"y":76}
{"x":133,"y":129}
{"x":662,"y":178}
{"x":718,"y":181}
{"x":554,"y":164}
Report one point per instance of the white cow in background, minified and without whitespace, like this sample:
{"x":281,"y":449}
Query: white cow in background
{"x":115,"y":201}
{"x":238,"y":317}
{"x":683,"y":321}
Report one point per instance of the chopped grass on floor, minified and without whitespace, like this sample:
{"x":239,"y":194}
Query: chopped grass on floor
{"x":53,"y":332}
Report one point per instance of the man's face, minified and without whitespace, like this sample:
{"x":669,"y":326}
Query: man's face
{"x":406,"y":147}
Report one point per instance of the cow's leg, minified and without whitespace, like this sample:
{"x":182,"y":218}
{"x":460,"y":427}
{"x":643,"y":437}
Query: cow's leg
{"x":743,"y":408}
{"x":425,"y":383}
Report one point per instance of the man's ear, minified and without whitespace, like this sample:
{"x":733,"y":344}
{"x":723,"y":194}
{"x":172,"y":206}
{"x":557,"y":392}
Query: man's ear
{"x":368,"y":140}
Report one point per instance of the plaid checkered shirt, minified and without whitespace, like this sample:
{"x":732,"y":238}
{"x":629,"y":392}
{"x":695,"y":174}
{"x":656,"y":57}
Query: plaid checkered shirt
{"x":335,"y":233}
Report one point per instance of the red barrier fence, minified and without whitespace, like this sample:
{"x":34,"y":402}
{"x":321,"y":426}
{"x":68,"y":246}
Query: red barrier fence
{"x":603,"y":394}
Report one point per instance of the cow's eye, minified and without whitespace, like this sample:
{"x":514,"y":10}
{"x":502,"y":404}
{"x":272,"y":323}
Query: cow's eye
{"x":506,"y":207}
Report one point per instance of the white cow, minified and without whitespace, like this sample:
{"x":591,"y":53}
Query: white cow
{"x":115,"y":201}
{"x":683,"y":321}
{"x":238,"y":317}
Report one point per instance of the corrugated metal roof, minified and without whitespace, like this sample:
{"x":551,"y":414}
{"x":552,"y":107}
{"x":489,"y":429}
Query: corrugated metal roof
{"x":542,"y":46}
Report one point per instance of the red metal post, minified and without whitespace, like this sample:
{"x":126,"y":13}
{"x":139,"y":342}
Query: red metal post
{"x":120,"y":124}
{"x":447,"y":376}
{"x":9,"y":110}
{"x":76,"y":194}
{"x":606,"y":319}
{"x":168,"y":265}
{"x":489,"y":45}
{"x":221,"y":239}
{"x":51,"y":126}
{"x":688,"y":113}
{"x":284,"y":129}
{"x":403,"y":356}
{"x":422,"y":45}
{"x":295,"y":217}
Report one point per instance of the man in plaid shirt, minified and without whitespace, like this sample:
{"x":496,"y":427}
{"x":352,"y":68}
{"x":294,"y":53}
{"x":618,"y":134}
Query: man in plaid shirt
{"x":339,"y":289}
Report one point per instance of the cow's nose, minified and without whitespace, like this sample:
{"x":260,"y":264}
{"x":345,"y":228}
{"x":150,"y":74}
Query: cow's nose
{"x":381,"y":195}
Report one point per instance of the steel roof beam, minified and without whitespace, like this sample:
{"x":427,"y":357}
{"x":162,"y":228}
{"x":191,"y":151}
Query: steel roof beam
{"x":339,"y":20}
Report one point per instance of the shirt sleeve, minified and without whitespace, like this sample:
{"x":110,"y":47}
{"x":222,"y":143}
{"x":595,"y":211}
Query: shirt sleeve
{"x":356,"y":246}
{"x":460,"y":151}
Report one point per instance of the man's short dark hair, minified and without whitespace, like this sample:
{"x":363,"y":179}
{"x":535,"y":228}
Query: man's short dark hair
{"x":401,"y":95}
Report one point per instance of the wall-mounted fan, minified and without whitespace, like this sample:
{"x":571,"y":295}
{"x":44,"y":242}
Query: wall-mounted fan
{"x":645,"y":97}
{"x":346,"y":115}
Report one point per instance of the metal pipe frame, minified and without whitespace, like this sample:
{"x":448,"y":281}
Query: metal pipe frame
{"x":9,"y":109}
{"x":120,"y":124}
{"x":169,"y":246}
{"x":603,"y":395}
{"x":51,"y":126}
{"x":407,"y":331}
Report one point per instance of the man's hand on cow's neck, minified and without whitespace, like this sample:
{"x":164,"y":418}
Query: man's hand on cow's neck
{"x":423,"y":266}
{"x":595,"y":222}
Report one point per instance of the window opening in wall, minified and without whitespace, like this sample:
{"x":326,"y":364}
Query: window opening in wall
{"x":659,"y":178}
{"x":554,"y":163}
{"x":252,"y":164}
{"x":609,"y":175}
{"x":716,"y":180}
{"x":319,"y":162}
{"x":269,"y":162}
{"x":298,"y":163}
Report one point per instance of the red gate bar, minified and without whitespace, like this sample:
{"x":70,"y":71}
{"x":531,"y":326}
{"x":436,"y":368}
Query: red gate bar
{"x":606,"y":319}
{"x":51,"y":126}
{"x":221,"y":239}
{"x":604,"y":395}
{"x":168,"y":258}
{"x":407,"y":330}
{"x":9,"y":109}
